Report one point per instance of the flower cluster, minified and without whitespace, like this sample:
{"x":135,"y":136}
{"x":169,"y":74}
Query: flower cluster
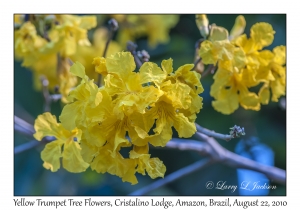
{"x":156,"y":27}
{"x":133,"y":109}
{"x":243,"y":63}
{"x":45,"y":43}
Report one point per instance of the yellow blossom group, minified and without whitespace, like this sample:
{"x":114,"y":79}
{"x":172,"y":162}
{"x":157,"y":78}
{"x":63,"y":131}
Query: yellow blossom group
{"x":132,"y":109}
{"x":47,"y":43}
{"x":242,"y":64}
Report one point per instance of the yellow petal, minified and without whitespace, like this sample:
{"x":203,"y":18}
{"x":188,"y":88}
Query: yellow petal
{"x":178,"y":93}
{"x":69,"y":115}
{"x":100,"y":65}
{"x":46,"y":125}
{"x":262,"y":34}
{"x":183,"y":126}
{"x":221,"y":78}
{"x":249,"y":76}
{"x":249,"y":100}
{"x":264,"y":95}
{"x":280,"y":55}
{"x":160,"y":139}
{"x":227,"y":102}
{"x":121,"y":63}
{"x":207,"y":54}
{"x":51,"y":155}
{"x":155,"y":168}
{"x":72,"y":159}
{"x":202,"y":23}
{"x":278,"y":89}
{"x":265,"y":57}
{"x":167,"y":66}
{"x":238,"y":27}
{"x":78,"y":69}
{"x":218,"y":33}
{"x":88,"y":151}
{"x":150,"y":72}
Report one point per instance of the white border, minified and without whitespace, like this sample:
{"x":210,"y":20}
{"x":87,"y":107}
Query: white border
{"x":8,"y":8}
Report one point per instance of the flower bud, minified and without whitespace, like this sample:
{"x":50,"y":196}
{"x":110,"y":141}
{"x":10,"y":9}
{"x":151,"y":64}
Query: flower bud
{"x":113,"y":24}
{"x":202,"y":23}
{"x":238,"y":27}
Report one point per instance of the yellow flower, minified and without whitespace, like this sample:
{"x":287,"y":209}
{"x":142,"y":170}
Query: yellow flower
{"x":156,"y":27}
{"x":86,"y":54}
{"x":70,"y":32}
{"x":176,"y":107}
{"x":127,"y":86}
{"x":46,"y":125}
{"x":47,"y":54}
{"x":273,"y":75}
{"x":100,"y":65}
{"x":115,"y":165}
{"x":123,"y":111}
{"x":230,"y":90}
{"x":28,"y":43}
{"x":87,"y":96}
{"x":217,"y":47}
{"x":241,"y":65}
{"x":154,"y":167}
{"x":261,"y":35}
{"x":65,"y":78}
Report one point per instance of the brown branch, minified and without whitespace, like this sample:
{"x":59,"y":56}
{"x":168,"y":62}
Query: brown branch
{"x":211,"y":69}
{"x":209,"y":147}
{"x":46,"y":94}
{"x":207,"y":132}
{"x":220,"y":154}
{"x":23,"y":127}
{"x":131,"y":47}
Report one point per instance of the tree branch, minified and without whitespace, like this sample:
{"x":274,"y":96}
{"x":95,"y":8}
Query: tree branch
{"x":131,"y":47}
{"x":220,"y":154}
{"x":23,"y":127}
{"x":211,"y":69}
{"x":205,"y":131}
{"x":27,"y":146}
{"x":209,"y":147}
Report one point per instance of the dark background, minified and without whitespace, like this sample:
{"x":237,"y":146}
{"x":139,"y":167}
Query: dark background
{"x":268,"y":125}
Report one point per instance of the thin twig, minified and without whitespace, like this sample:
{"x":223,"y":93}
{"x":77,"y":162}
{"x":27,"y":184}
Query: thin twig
{"x":131,"y":47}
{"x":31,"y":144}
{"x":23,"y":126}
{"x":211,"y":69}
{"x":173,"y":176}
{"x":46,"y":94}
{"x":225,"y":137}
{"x":189,"y":145}
{"x":196,"y":62}
{"x":27,"y":146}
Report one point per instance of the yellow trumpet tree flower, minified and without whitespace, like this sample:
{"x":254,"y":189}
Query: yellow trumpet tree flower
{"x":125,"y":111}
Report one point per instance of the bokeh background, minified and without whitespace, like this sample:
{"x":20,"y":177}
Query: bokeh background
{"x":268,"y":126}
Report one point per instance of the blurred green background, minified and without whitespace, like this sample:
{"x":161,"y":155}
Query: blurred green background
{"x":268,"y":124}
